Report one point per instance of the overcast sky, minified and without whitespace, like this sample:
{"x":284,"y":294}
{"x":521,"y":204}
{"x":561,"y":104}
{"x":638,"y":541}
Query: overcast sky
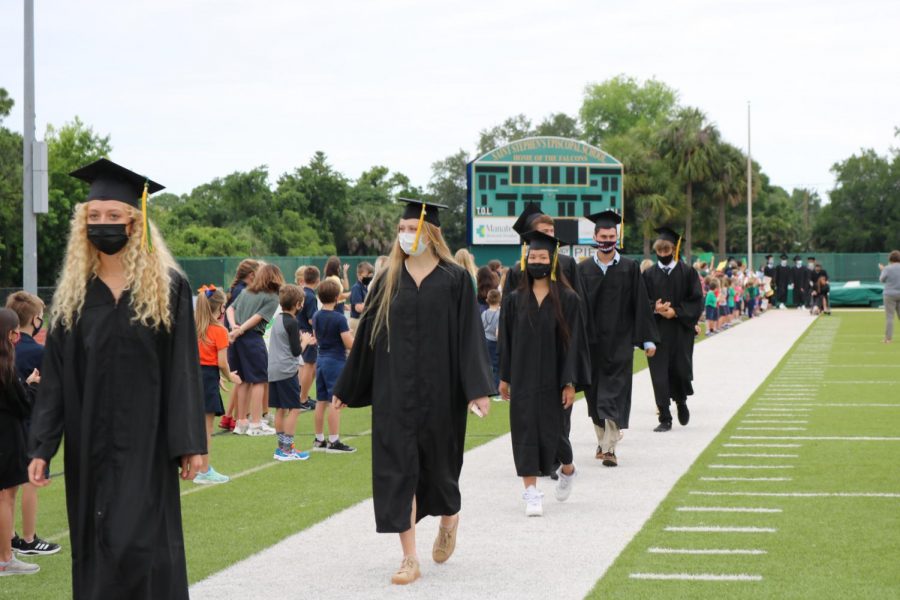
{"x":194,"y":89}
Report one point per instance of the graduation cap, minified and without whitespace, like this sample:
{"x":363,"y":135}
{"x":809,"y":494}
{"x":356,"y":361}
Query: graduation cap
{"x":419,"y":209}
{"x":523,"y":223}
{"x":423,"y":211}
{"x":798,"y":257}
{"x":784,"y":256}
{"x":110,"y":181}
{"x":538,"y":240}
{"x":606,"y":219}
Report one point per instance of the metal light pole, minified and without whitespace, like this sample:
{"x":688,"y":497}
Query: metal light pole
{"x":749,"y":197}
{"x":29,"y":220}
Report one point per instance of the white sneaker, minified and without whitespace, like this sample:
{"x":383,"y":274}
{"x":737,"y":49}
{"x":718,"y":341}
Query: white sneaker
{"x":534,"y":506}
{"x":18,"y":567}
{"x":255,"y":430}
{"x":240,"y":429}
{"x":564,"y":484}
{"x":267,"y":428}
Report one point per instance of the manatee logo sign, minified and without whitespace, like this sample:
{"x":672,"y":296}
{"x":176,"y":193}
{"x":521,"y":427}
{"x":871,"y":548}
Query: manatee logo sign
{"x":494,"y":230}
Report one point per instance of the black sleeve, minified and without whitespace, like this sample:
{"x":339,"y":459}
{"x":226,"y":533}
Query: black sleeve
{"x":512,"y":279}
{"x":505,"y":337}
{"x":691,"y":306}
{"x":576,"y":366}
{"x":46,"y":429}
{"x":292,"y":328}
{"x":644,"y":323}
{"x":185,"y":420}
{"x":354,"y":386}
{"x":477,"y":380}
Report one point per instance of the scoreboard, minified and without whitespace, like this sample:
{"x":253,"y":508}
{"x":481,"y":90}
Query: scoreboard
{"x":568,"y":180}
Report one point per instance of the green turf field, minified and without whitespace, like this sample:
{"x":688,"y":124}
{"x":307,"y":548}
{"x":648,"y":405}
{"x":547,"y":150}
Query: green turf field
{"x":837,"y":543}
{"x":265,"y":502}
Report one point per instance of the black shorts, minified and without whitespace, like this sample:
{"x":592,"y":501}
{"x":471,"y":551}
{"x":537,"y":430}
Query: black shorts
{"x":310,"y":355}
{"x":285,"y":393}
{"x":328,"y":371}
{"x":212,"y":399}
{"x":252,"y":358}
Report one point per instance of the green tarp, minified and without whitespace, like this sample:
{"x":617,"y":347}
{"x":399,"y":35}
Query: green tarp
{"x":864,"y":294}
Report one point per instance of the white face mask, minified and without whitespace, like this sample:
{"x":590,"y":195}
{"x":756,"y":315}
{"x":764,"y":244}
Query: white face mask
{"x":799,"y":263}
{"x":784,"y":263}
{"x":406,"y":243}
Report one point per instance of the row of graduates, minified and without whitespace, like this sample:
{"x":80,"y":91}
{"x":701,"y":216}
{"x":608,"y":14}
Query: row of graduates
{"x":797,"y":277}
{"x":121,"y":383}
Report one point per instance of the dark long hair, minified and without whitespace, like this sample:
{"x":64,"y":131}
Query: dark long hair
{"x":9,"y":321}
{"x":333,"y":267}
{"x":247,"y":266}
{"x":486,"y":280}
{"x":556,"y":291}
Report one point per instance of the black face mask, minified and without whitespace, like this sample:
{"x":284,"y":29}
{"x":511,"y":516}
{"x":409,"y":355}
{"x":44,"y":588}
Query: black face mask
{"x":665,"y":259}
{"x":38,"y":328}
{"x":538,"y":270}
{"x":108,"y":239}
{"x":606,"y":247}
{"x":366,"y":280}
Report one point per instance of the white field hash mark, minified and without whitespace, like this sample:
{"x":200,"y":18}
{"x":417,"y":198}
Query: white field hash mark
{"x":746,"y":479}
{"x":751,"y":466}
{"x":719,"y":529}
{"x":726,"y":551}
{"x":727,"y":509}
{"x":698,"y":577}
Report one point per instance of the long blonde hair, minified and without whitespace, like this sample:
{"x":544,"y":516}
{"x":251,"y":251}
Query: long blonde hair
{"x":210,"y":301}
{"x":147,"y":275}
{"x":465,"y":259}
{"x":389,"y":279}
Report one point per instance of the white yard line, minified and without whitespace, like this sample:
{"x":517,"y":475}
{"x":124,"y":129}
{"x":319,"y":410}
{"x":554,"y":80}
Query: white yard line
{"x":727,"y":509}
{"x":697,"y":577}
{"x":746,"y":479}
{"x":762,"y":445}
{"x":723,"y":551}
{"x":822,"y":438}
{"x":751,"y":466}
{"x":752,"y":455}
{"x":801,"y":494}
{"x":492,"y":517}
{"x":719,"y":529}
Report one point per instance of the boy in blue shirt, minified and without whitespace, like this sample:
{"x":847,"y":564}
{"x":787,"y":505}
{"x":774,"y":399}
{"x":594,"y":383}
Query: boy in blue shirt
{"x":305,"y":319}
{"x":364,"y":274}
{"x":333,"y":339}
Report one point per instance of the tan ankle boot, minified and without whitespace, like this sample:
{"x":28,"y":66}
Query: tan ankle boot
{"x":408,"y":572}
{"x":445,"y":543}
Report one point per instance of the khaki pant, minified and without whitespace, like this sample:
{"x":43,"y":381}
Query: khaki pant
{"x":354,"y":323}
{"x":891,"y":308}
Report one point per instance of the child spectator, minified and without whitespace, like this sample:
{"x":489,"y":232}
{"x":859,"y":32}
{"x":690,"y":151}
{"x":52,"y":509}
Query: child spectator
{"x":286,"y":343}
{"x":15,"y":407}
{"x":712,"y":315}
{"x":365,"y":272}
{"x":252,"y":311}
{"x":729,"y":312}
{"x":751,"y":293}
{"x":334,"y":268}
{"x":29,"y":354}
{"x":304,"y":320}
{"x":333,"y":339}
{"x":490,"y":320}
{"x":243,"y":277}
{"x":821,"y":295}
{"x":212,"y":343}
{"x":722,"y":303}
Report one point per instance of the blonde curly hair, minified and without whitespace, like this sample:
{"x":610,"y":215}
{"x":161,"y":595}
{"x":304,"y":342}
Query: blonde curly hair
{"x":147,"y":275}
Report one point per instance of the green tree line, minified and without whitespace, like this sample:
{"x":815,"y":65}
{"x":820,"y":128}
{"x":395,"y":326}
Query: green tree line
{"x":678,"y":169}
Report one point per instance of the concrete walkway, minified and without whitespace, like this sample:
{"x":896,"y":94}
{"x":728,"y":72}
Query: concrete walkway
{"x":501,"y":553}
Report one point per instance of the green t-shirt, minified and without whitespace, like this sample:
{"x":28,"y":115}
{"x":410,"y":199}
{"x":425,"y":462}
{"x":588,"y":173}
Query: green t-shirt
{"x":731,"y":297}
{"x":263,"y":304}
{"x":710,"y":298}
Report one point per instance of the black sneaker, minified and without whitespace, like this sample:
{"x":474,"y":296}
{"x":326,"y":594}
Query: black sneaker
{"x":338,"y":447}
{"x":319,"y":446}
{"x":684,"y":415}
{"x":37,"y":546}
{"x":664,"y":426}
{"x":308,"y":405}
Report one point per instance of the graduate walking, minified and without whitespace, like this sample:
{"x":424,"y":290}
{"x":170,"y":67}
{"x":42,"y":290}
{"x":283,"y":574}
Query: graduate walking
{"x":419,"y":359}
{"x":532,"y":219}
{"x":618,"y":320}
{"x":543,"y":361}
{"x":121,"y":381}
{"x":783,"y":281}
{"x":676,"y":298}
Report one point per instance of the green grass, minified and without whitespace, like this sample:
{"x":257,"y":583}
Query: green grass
{"x":830,"y":547}
{"x":226,"y":523}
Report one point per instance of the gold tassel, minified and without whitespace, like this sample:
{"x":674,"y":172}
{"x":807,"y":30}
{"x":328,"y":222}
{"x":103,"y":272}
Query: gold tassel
{"x":555,"y":261}
{"x":415,"y":245}
{"x":146,"y":244}
{"x":678,"y":249}
{"x":522,"y":260}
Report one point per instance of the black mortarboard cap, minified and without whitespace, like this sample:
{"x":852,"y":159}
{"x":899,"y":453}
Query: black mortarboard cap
{"x":523,"y":223}
{"x":798,"y":257}
{"x":413,"y":210}
{"x":538,"y":240}
{"x":666,"y":233}
{"x":110,"y":181}
{"x":784,"y":256}
{"x":605,"y":219}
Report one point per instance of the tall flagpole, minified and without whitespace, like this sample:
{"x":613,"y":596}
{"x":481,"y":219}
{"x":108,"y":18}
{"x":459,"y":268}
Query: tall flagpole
{"x":29,"y":221}
{"x":749,"y":196}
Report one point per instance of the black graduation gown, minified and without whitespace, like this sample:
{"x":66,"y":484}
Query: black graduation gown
{"x":129,"y":401}
{"x":537,"y":366}
{"x":671,"y":368}
{"x":567,"y":266}
{"x":801,"y":285}
{"x":784,"y":276}
{"x":419,"y":387}
{"x":618,"y":320}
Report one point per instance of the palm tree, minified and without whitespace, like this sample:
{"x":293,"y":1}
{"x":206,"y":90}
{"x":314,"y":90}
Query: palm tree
{"x":727,"y":185}
{"x":689,"y":145}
